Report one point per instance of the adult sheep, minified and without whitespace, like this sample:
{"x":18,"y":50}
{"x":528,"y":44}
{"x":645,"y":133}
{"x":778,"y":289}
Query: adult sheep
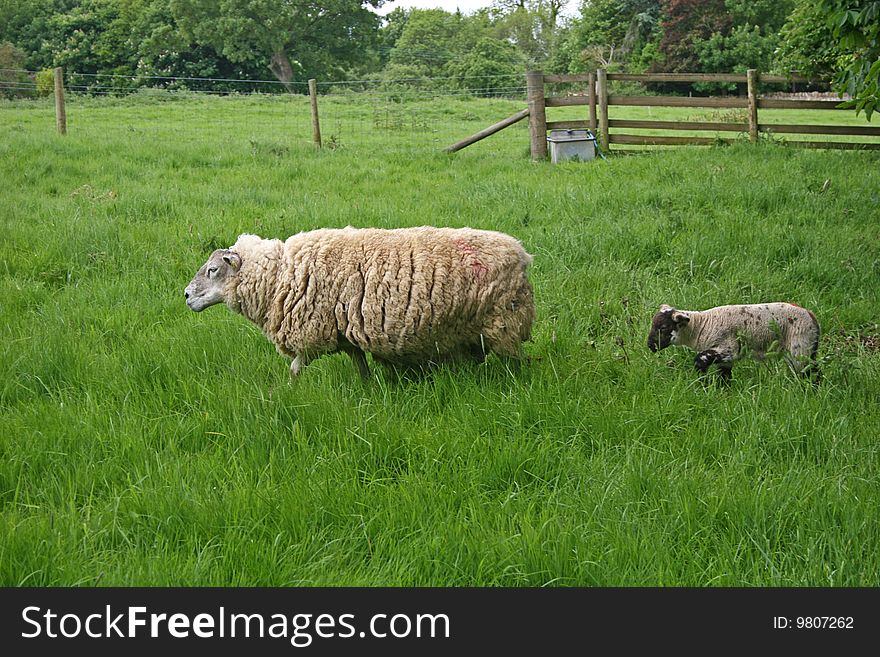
{"x":724,"y":334}
{"x":408,"y":296}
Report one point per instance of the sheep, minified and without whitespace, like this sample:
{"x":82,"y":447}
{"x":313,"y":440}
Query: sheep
{"x":408,"y":296}
{"x":725,"y":334}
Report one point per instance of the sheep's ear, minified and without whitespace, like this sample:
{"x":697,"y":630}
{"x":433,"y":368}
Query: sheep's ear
{"x":679,"y":318}
{"x":665,"y":308}
{"x":232,"y":259}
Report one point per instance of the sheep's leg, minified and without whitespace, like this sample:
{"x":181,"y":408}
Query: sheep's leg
{"x":477,"y":352}
{"x":299,"y":362}
{"x":360,"y":361}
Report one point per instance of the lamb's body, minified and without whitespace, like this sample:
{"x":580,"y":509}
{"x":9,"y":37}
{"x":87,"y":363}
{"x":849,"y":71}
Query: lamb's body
{"x":407,"y":296}
{"x":725,"y":334}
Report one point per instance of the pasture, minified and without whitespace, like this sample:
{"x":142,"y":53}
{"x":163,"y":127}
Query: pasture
{"x":143,"y":444}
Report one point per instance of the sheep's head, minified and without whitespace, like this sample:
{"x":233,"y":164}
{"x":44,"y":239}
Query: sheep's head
{"x":665,"y":326}
{"x":208,"y":286}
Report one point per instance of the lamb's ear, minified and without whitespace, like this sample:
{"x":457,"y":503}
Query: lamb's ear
{"x":232,"y":259}
{"x":665,"y":308}
{"x":679,"y":318}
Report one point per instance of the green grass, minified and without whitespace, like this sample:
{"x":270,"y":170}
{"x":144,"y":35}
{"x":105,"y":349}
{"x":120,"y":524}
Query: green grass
{"x":144,"y":444}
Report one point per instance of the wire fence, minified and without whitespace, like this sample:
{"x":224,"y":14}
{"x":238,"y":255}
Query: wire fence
{"x":402,"y":113}
{"x":268,"y":116}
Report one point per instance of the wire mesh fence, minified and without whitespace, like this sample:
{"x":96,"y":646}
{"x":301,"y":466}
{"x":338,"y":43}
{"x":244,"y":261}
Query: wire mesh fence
{"x":426,"y":113}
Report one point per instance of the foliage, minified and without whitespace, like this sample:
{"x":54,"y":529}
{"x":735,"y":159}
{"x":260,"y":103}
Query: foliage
{"x":174,"y":42}
{"x":856,"y":24}
{"x":92,"y":38}
{"x":428,"y":42}
{"x":296,"y":40}
{"x":437,"y":44}
{"x":609,"y":34}
{"x":743,"y":48}
{"x":390,"y":31}
{"x":45,"y":80}
{"x":685,"y":23}
{"x":532,"y":26}
{"x":14,"y":81}
{"x":721,"y":36}
{"x":807,"y":43}
{"x":489,"y":67}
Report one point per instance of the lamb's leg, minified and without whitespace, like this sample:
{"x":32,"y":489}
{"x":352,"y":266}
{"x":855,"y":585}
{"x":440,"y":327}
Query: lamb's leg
{"x":805,"y":365}
{"x":807,"y":370}
{"x":705,"y":359}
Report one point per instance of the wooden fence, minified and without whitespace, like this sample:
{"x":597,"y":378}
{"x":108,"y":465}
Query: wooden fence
{"x":598,"y":100}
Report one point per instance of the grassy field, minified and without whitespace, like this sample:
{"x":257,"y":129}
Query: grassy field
{"x":144,"y":444}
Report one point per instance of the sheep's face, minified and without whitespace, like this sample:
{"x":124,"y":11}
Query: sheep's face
{"x":209,"y":284}
{"x":665,"y":325}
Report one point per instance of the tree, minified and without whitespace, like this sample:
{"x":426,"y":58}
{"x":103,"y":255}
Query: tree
{"x":164,"y":49}
{"x":807,"y":43}
{"x":750,"y":41}
{"x":685,"y":22}
{"x":609,"y":33}
{"x":434,"y":44}
{"x":856,"y":26}
{"x":389,"y":33}
{"x":296,"y":38}
{"x":25,"y":24}
{"x":484,"y":69}
{"x":91,"y":37}
{"x":425,"y":45}
{"x":532,"y":26}
{"x":13,"y":80}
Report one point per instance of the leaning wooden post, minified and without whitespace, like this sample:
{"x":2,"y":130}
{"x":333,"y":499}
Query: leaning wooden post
{"x":60,"y":111}
{"x":602,"y":92}
{"x":591,"y":98}
{"x":537,"y":115}
{"x":316,"y":125}
{"x":752,"y":79}
{"x":491,"y":130}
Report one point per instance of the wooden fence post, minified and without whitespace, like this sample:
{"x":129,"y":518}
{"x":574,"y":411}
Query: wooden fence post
{"x":491,"y":130}
{"x":752,"y":81}
{"x":602,"y":92}
{"x":60,"y":110}
{"x":316,"y":125}
{"x":591,"y":99}
{"x":537,"y":115}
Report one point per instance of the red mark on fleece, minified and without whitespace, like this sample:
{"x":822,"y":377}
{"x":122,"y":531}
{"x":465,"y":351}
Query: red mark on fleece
{"x":792,"y":304}
{"x":478,"y":268}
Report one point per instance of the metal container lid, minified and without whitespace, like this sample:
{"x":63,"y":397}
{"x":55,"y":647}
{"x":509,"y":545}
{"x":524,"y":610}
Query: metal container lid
{"x":557,"y":136}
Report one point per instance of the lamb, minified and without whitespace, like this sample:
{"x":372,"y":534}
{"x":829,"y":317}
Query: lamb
{"x":408,"y":296}
{"x":725,"y":334}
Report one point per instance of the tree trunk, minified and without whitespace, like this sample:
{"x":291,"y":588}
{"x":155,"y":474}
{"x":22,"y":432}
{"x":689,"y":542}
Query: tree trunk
{"x":280,"y":66}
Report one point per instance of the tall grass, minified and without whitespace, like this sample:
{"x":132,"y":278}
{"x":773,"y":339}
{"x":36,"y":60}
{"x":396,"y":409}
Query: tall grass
{"x":143,"y":444}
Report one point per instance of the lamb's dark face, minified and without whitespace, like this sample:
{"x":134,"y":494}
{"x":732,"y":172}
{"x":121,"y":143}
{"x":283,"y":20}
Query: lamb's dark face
{"x":664,"y":327}
{"x":209,"y":284}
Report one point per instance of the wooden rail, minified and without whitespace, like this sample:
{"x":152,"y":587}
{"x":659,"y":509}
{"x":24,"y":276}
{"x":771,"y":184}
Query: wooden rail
{"x":491,"y":130}
{"x":595,"y":95}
